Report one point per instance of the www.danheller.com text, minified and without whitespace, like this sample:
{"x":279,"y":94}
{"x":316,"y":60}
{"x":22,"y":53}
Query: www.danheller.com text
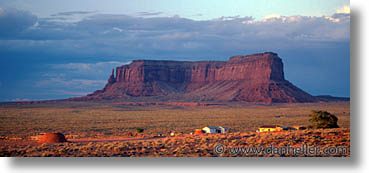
{"x":287,"y":150}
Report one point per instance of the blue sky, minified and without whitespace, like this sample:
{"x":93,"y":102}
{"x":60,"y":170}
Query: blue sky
{"x":59,"y":49}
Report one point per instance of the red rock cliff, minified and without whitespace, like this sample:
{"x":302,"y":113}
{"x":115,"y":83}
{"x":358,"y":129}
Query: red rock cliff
{"x":252,"y":78}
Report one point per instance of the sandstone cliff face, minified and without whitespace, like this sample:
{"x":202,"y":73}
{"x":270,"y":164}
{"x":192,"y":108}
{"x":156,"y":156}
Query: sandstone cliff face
{"x":257,"y":78}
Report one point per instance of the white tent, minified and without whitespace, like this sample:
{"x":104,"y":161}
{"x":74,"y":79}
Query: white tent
{"x":211,"y":130}
{"x":219,"y":129}
{"x":223,"y":129}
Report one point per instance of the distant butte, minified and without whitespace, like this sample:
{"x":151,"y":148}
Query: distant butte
{"x":257,"y":78}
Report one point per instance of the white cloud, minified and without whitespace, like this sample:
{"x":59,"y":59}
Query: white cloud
{"x":77,"y":78}
{"x":178,"y":35}
{"x":150,"y":14}
{"x":72,"y":13}
{"x":88,"y":66}
{"x":98,"y":68}
{"x":344,"y":10}
{"x":117,"y":29}
{"x":225,"y":18}
{"x":271,"y":16}
{"x":69,"y":83}
{"x":332,"y":19}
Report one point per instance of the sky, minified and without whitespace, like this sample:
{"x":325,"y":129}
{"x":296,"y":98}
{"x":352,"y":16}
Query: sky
{"x":60,"y":49}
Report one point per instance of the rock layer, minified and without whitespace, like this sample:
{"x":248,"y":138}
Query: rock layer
{"x":257,"y":78}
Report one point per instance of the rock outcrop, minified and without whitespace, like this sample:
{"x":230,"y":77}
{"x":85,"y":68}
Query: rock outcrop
{"x":52,"y":138}
{"x":257,"y":78}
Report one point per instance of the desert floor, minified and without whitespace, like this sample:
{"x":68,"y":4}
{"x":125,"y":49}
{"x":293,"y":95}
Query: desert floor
{"x":108,"y":129}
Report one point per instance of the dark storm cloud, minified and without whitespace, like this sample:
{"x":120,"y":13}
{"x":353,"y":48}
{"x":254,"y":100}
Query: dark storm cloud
{"x":186,"y":34}
{"x":172,"y":35}
{"x":13,"y":22}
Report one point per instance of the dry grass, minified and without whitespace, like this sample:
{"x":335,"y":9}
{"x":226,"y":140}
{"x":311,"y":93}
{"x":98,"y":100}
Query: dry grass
{"x":104,"y":119}
{"x":195,"y":146}
{"x":20,"y":125}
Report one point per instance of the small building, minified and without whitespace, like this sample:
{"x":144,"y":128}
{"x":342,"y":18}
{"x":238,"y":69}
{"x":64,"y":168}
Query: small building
{"x":223,"y":129}
{"x":299,"y":127}
{"x":270,"y":128}
{"x":219,"y":129}
{"x":211,"y":130}
{"x":198,"y":132}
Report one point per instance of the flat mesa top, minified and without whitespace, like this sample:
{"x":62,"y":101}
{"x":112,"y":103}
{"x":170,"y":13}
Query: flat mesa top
{"x":231,"y":59}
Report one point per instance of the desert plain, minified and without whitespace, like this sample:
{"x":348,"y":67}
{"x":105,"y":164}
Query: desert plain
{"x":109,"y":128}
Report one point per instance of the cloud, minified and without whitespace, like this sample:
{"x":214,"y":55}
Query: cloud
{"x":225,"y":18}
{"x":80,"y":54}
{"x":128,"y":36}
{"x":64,"y":87}
{"x":98,"y":69}
{"x":13,"y":22}
{"x":71,"y":13}
{"x":69,"y":16}
{"x":58,"y":82}
{"x":344,"y":10}
{"x":117,"y":29}
{"x":76,"y":78}
{"x":270,"y":16}
{"x":149,"y":13}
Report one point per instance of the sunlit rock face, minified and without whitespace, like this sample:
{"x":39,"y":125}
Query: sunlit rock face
{"x":257,"y":78}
